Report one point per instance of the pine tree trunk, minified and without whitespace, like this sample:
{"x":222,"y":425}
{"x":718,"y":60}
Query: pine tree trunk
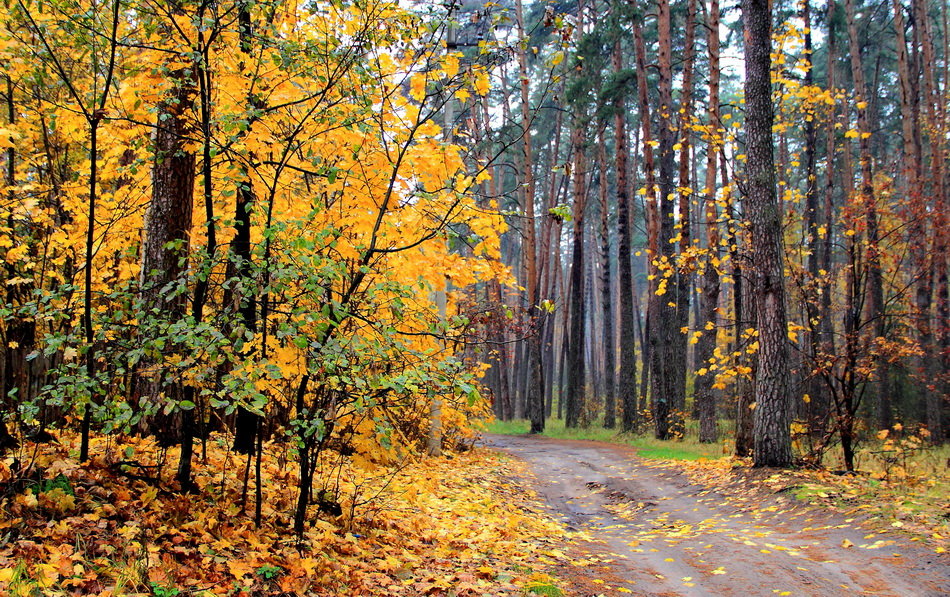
{"x":165,"y":250}
{"x":534,"y":396}
{"x":684,"y":274}
{"x":665,"y":336}
{"x":875,"y":281}
{"x":811,"y":297}
{"x":771,"y":420}
{"x":577,"y":373}
{"x":709,"y":299}
{"x":627,"y":379}
{"x":821,"y":403}
{"x":935,"y":108}
{"x":918,"y":233}
{"x":610,"y":397}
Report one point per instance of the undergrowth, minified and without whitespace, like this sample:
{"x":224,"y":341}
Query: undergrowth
{"x":429,"y":526}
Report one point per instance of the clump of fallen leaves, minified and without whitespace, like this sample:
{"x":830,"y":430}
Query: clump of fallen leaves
{"x":915,"y":504}
{"x":445,"y":526}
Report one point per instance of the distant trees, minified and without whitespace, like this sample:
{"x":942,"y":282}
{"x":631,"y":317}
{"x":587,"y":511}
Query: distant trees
{"x":859,"y":254}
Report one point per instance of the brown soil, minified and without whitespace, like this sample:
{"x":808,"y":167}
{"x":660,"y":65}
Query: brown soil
{"x":643,"y":529}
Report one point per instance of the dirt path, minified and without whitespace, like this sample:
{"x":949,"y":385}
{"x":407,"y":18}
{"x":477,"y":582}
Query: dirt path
{"x":652,"y":532}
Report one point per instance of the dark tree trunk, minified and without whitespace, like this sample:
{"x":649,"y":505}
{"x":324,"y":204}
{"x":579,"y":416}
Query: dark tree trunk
{"x":665,"y":336}
{"x":607,"y":308}
{"x":812,"y":297}
{"x":684,"y":274}
{"x":246,"y":423}
{"x":576,"y":374}
{"x":771,"y":417}
{"x":935,"y":108}
{"x":709,"y":299}
{"x":627,"y":380}
{"x":165,"y":250}
{"x":534,"y":396}
{"x":875,"y":279}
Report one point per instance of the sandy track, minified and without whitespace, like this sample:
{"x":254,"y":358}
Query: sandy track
{"x":652,"y":532}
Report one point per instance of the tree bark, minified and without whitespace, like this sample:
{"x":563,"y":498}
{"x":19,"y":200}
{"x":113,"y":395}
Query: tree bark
{"x":577,"y":373}
{"x":935,"y":107}
{"x":875,"y":280}
{"x":165,"y":248}
{"x":535,"y":382}
{"x":684,"y":271}
{"x":709,"y":298}
{"x":771,"y":420}
{"x":664,"y":335}
{"x":607,"y":308}
{"x":627,"y":379}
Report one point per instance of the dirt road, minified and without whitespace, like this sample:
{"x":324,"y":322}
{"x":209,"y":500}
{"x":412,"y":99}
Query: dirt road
{"x":652,"y":532}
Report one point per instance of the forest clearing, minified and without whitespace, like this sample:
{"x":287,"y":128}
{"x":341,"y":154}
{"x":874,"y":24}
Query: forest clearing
{"x":322,"y":297}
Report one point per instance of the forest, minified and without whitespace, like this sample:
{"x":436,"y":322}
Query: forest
{"x":271,"y":268}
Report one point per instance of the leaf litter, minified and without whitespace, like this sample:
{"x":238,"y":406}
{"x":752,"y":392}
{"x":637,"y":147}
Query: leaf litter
{"x":457,"y":525}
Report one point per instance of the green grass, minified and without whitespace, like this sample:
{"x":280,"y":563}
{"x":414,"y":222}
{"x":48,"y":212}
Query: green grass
{"x":688,"y":448}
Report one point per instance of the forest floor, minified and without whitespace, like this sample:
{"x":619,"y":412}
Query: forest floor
{"x":659,"y":528}
{"x":522,"y":516}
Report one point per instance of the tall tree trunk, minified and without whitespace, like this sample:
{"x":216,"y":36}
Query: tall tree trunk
{"x":822,"y":402}
{"x":577,"y":373}
{"x":917,"y":203}
{"x":812,"y":296}
{"x":875,"y":280}
{"x":16,"y":331}
{"x":935,"y":107}
{"x":709,"y":299}
{"x":651,"y":213}
{"x":665,"y":335}
{"x":771,"y":417}
{"x":165,"y":249}
{"x":607,"y":308}
{"x":627,"y":380}
{"x":684,"y":274}
{"x":535,"y":382}
{"x":202,"y":286}
{"x":246,"y":423}
{"x":550,"y":261}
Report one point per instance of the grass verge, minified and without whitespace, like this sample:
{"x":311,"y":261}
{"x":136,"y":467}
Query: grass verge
{"x":687,"y":448}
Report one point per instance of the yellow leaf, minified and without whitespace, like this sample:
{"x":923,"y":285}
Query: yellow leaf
{"x":417,"y":86}
{"x":846,"y":543}
{"x":481,"y":84}
{"x":558,"y":58}
{"x":451,"y":65}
